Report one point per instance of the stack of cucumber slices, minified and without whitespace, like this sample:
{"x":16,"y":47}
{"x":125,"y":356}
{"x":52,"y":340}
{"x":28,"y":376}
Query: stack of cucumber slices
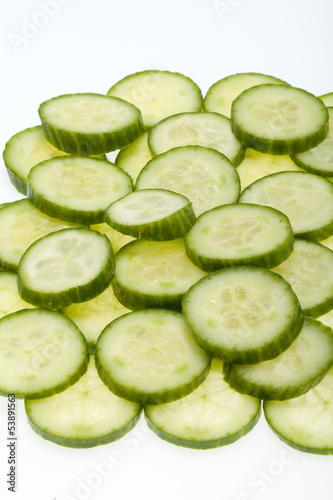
{"x":189,"y":279}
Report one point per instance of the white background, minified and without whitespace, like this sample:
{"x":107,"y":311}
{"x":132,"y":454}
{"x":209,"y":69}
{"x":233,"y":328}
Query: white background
{"x":53,"y":47}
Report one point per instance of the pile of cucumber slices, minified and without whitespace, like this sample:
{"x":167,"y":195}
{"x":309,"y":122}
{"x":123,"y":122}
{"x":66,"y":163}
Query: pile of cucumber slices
{"x":189,"y":279}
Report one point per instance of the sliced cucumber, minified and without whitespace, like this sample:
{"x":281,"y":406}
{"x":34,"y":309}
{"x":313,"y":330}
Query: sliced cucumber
{"x":309,"y":270}
{"x":210,"y":130}
{"x":306,"y":199}
{"x":117,"y":240}
{"x":93,"y":315}
{"x":294,"y":372}
{"x":86,"y":414}
{"x":153,"y":274}
{"x":158,"y":94}
{"x":20,"y":225}
{"x":23,"y":151}
{"x":327,"y":98}
{"x":205,"y":176}
{"x":151,"y":214}
{"x":257,"y":165}
{"x":10,"y":299}
{"x":76,"y":189}
{"x":221,"y":94}
{"x":243,"y":314}
{"x":319,"y":160}
{"x":89,"y":124}
{"x":212,"y":415}
{"x":135,"y":156}
{"x":70,"y":265}
{"x":41,"y":353}
{"x":237,"y":234}
{"x":305,"y":423}
{"x":150,"y":357}
{"x":279,"y":119}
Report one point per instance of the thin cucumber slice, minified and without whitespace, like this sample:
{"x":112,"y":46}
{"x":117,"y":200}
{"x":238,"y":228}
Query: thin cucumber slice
{"x":238,"y":234}
{"x":10,"y":299}
{"x":327,"y":98}
{"x":150,"y":357}
{"x":135,"y":156}
{"x":23,"y":151}
{"x":212,"y":415}
{"x":210,"y":130}
{"x":21,"y":224}
{"x":64,"y":267}
{"x":243,"y":314}
{"x":319,"y":160}
{"x":203,"y":175}
{"x":158,"y":94}
{"x":153,"y":274}
{"x":279,"y":119}
{"x":41,"y":353}
{"x":89,"y":124}
{"x":306,"y":199}
{"x":85,"y":415}
{"x":117,"y":240}
{"x":328,"y":242}
{"x":257,"y":165}
{"x":294,"y":372}
{"x":305,"y":423}
{"x":309,"y":270}
{"x":94,"y":315}
{"x":151,"y":214}
{"x":76,"y":189}
{"x":221,"y":94}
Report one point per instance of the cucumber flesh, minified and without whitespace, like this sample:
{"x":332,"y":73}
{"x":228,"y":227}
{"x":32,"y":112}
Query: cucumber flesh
{"x":135,"y":156}
{"x":10,"y":299}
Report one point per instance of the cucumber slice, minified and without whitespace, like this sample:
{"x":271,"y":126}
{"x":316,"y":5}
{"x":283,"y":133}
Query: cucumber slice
{"x":21,"y":224}
{"x":23,"y":151}
{"x":158,"y":94}
{"x":135,"y":156}
{"x":10,"y":299}
{"x":41,"y":353}
{"x":117,"y":240}
{"x":212,"y":415}
{"x":210,"y":130}
{"x":221,"y":94}
{"x":86,"y":414}
{"x":151,"y":214}
{"x":153,"y":274}
{"x":89,"y":124}
{"x":306,"y":199}
{"x":279,"y":119}
{"x":257,"y":165}
{"x":70,"y":265}
{"x":294,"y":372}
{"x":203,"y":175}
{"x":237,"y":234}
{"x":76,"y":189}
{"x":327,"y":98}
{"x":309,"y":270}
{"x":319,"y":160}
{"x":150,"y":357}
{"x":94,"y":315}
{"x":305,"y":423}
{"x":243,"y":314}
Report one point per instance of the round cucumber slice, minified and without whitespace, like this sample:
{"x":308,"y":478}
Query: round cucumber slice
{"x":70,"y":265}
{"x":150,"y":357}
{"x":203,"y":175}
{"x":243,"y":314}
{"x":238,"y":234}
{"x":158,"y":94}
{"x":279,"y":119}
{"x":151,"y":214}
{"x":306,"y":199}
{"x":42,"y":353}
{"x":85,"y":415}
{"x":305,"y":423}
{"x":212,"y":415}
{"x":294,"y":372}
{"x":89,"y":124}
{"x":76,"y":189}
